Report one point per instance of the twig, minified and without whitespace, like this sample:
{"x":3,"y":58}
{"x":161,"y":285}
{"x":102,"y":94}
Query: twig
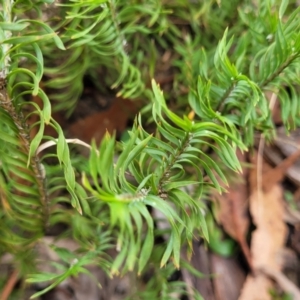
{"x":69,"y":141}
{"x":276,"y":174}
{"x":287,"y":285}
{"x":11,"y":282}
{"x":285,"y":141}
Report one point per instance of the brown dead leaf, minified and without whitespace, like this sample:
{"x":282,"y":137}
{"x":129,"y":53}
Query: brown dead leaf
{"x":201,"y":262}
{"x":233,"y":210}
{"x":95,"y":125}
{"x":277,"y":174}
{"x":287,"y":285}
{"x":226,"y":287}
{"x":285,"y":155}
{"x":295,"y":238}
{"x":267,"y":210}
{"x":256,"y":288}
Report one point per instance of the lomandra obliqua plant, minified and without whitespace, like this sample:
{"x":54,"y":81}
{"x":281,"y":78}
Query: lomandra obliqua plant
{"x":225,"y":57}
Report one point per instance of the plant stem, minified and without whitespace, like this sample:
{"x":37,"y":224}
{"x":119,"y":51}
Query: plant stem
{"x":221,"y":104}
{"x":9,"y":286}
{"x":172,"y":161}
{"x":7,"y":16}
{"x":279,"y":70}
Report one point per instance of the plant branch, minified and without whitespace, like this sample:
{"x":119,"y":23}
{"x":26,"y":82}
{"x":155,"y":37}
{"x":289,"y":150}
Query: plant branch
{"x":221,"y":104}
{"x":69,"y":141}
{"x":36,"y":167}
{"x":9,"y":286}
{"x":279,"y":70}
{"x":172,"y":161}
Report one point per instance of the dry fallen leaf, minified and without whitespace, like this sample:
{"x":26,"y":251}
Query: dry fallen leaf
{"x":201,"y":262}
{"x":289,"y":166}
{"x":267,"y":210}
{"x":233,"y":210}
{"x":226,"y":287}
{"x":285,"y":156}
{"x":95,"y":125}
{"x":256,"y":288}
{"x":286,"y":284}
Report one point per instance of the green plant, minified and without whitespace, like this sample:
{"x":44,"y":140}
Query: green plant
{"x":217,"y":103}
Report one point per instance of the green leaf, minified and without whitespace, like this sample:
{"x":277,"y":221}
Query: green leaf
{"x":119,"y":259}
{"x":49,"y":31}
{"x":13,"y":26}
{"x":282,"y":8}
{"x":175,"y":185}
{"x":146,"y":250}
{"x":10,"y":139}
{"x":176,"y":248}
{"x":165,"y":208}
{"x":83,"y":199}
{"x":28,"y":39}
{"x":105,"y":162}
{"x":41,"y":277}
{"x":167,"y":252}
{"x":46,"y":112}
{"x":36,"y":142}
{"x":82,"y":33}
{"x":147,"y":247}
{"x":184,"y":124}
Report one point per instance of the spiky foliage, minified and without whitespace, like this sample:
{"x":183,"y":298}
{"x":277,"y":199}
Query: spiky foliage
{"x":24,"y":195}
{"x":220,"y":78}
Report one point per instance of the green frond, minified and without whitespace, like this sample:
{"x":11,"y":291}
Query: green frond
{"x":23,"y":196}
{"x":145,"y":174}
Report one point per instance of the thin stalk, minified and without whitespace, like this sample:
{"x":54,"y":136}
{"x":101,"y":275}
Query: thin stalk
{"x":221,"y":104}
{"x":7,"y":17}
